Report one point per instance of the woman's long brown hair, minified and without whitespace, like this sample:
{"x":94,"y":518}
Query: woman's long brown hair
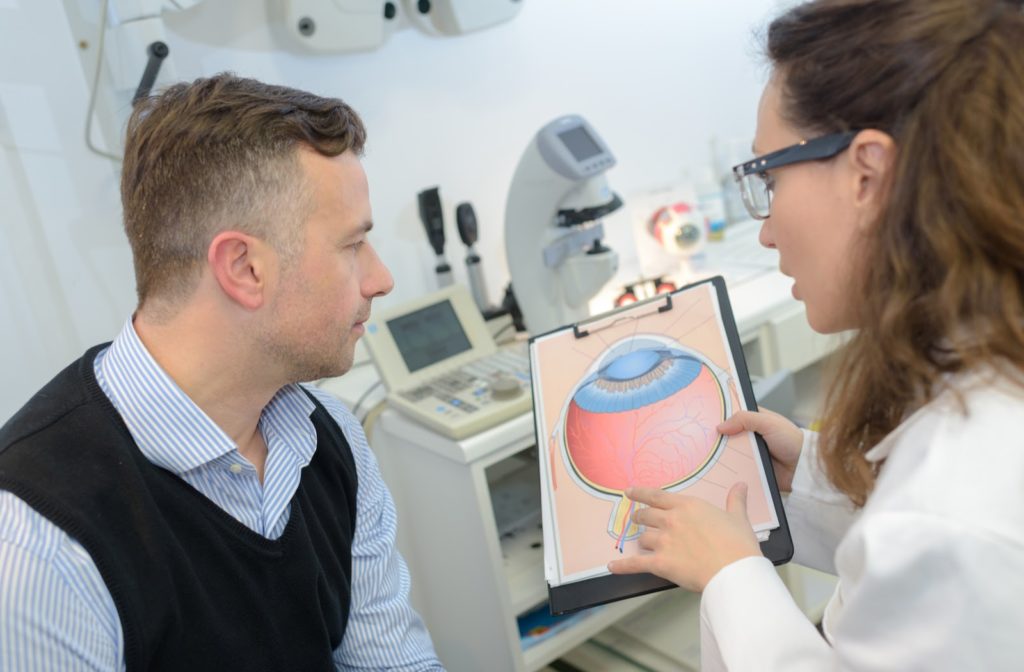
{"x":942,"y":287}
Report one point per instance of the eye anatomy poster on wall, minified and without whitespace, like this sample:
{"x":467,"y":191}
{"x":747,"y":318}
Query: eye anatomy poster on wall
{"x":633,"y":399}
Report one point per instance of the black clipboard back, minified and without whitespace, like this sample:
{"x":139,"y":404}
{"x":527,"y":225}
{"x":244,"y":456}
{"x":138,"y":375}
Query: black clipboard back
{"x":778,"y":547}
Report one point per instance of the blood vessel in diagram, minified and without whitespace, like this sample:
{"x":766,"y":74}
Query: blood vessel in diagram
{"x":645,"y":415}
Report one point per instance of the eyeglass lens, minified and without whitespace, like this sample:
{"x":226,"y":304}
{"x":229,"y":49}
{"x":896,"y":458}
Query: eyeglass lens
{"x":757,"y":195}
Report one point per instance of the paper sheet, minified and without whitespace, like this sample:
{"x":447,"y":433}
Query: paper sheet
{"x":636,"y":402}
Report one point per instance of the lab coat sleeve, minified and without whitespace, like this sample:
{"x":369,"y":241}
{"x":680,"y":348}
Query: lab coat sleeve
{"x":749,"y":621}
{"x":818,"y":514}
{"x":935,"y":595}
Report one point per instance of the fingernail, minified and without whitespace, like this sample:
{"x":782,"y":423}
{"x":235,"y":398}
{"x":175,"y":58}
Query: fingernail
{"x":628,"y":492}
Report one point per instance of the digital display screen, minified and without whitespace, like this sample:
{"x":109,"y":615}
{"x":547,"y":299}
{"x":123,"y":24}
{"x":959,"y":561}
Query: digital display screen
{"x":428,"y":335}
{"x":579,"y":143}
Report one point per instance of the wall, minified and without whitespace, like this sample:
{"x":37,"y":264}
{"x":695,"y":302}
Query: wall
{"x":657,"y":78}
{"x":65,"y":269}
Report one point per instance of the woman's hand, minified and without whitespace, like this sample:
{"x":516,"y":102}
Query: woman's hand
{"x":691,"y":539}
{"x":784,"y":440}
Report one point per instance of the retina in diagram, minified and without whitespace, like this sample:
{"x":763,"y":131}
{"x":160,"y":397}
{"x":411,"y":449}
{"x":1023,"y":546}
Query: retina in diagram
{"x":644,"y":415}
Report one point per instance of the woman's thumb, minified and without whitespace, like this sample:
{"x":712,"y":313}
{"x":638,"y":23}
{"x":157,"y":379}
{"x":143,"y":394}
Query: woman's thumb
{"x":743,"y":421}
{"x":736,"y":501}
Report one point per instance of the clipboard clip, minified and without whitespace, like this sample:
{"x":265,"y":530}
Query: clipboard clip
{"x":664,"y":308}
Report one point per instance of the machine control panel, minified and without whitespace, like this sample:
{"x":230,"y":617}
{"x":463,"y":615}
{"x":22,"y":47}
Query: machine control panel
{"x":573,"y":149}
{"x":442,"y":367}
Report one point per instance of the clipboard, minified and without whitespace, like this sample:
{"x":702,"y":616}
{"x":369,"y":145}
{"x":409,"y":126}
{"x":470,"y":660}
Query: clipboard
{"x":629,"y":398}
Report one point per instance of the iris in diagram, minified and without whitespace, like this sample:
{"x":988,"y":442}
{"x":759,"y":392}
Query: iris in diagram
{"x":643,"y":415}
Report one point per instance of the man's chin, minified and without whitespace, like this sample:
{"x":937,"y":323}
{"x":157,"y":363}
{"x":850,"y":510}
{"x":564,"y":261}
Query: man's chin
{"x":343,"y":363}
{"x":319,"y":370}
{"x":336,"y":368}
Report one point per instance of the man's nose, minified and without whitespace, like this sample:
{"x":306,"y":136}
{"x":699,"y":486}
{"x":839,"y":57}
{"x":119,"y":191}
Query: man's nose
{"x":379,"y":281}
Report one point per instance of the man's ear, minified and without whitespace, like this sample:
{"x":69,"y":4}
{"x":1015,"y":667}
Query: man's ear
{"x":872,"y":157}
{"x":239,"y":263}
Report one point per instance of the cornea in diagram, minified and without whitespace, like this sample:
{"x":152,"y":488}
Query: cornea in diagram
{"x":644,"y":414}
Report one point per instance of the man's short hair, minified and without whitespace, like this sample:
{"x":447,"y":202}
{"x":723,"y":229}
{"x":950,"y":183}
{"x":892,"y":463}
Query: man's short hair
{"x":221,"y":154}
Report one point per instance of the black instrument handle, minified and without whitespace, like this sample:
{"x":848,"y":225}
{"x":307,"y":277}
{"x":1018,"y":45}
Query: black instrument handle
{"x":465,"y":217}
{"x":157,"y":52}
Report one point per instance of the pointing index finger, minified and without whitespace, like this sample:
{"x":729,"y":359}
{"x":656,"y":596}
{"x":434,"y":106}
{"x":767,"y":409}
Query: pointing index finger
{"x":659,"y":499}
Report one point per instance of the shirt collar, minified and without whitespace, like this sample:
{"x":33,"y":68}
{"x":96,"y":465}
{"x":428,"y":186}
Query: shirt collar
{"x":170,"y":429}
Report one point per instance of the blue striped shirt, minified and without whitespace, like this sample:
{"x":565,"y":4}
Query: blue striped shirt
{"x":55,"y":610}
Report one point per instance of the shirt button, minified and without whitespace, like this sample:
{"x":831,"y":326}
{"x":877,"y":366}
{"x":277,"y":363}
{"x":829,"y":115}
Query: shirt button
{"x":235,"y":468}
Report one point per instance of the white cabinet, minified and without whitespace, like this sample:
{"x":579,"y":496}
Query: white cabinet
{"x":468,"y":583}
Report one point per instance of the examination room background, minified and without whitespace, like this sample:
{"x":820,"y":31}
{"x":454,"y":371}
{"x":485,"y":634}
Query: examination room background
{"x":656,"y":78}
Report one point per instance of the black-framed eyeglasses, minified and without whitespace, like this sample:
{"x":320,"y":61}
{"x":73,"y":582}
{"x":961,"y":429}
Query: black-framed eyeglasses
{"x":757,"y":186}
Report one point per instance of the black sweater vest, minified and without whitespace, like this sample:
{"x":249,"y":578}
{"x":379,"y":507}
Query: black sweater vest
{"x":194,"y":588}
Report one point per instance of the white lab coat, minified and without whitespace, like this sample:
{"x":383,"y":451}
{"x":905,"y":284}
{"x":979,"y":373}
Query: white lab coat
{"x":931,"y":571}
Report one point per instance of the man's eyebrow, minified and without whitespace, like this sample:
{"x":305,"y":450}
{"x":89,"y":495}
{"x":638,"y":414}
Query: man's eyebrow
{"x":356,"y":233}
{"x":361,"y":230}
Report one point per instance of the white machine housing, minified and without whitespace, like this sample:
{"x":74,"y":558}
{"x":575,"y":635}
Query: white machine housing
{"x":442,"y":367}
{"x":335,"y":26}
{"x":132,"y":25}
{"x":455,"y":17}
{"x":552,"y":236}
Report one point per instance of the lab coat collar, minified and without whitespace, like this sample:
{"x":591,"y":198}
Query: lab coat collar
{"x":942,"y":390}
{"x":945,"y":392}
{"x":885,"y":446}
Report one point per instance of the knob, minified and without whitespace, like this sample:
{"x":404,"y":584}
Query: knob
{"x":505,"y":387}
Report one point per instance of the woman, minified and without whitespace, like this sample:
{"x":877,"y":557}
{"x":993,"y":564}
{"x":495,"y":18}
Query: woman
{"x":890,"y":177}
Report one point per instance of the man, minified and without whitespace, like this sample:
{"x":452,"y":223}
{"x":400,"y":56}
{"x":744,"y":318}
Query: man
{"x":175,"y":500}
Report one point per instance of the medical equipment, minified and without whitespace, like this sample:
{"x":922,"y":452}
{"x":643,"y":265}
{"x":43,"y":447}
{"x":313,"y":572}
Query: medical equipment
{"x":338,"y":26}
{"x":442,"y":367}
{"x":679,"y":229}
{"x":727,"y":152}
{"x":643,"y":288}
{"x":455,"y":17}
{"x":465,"y":218}
{"x":552,"y":233}
{"x":132,"y":44}
{"x":711,"y":203}
{"x":156,"y":53}
{"x":134,"y":27}
{"x":432,"y":217}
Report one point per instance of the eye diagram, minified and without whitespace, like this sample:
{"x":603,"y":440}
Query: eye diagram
{"x":644,"y":415}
